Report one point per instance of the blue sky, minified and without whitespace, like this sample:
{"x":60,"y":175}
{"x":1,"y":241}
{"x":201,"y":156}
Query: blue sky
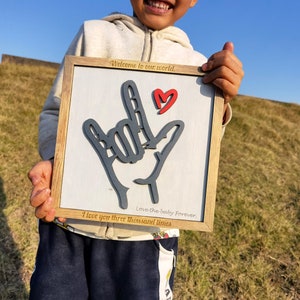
{"x":266,"y":35}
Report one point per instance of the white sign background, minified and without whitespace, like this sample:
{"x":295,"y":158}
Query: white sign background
{"x":182,"y":181}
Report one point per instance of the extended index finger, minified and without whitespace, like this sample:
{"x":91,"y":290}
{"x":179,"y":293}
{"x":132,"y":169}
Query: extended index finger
{"x":135,"y":109}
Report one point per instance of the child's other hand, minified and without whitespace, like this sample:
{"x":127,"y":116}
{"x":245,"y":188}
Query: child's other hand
{"x":225,"y":71}
{"x":40,"y":176}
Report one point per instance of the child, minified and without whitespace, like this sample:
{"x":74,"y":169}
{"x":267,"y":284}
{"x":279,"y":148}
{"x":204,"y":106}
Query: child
{"x":90,"y":260}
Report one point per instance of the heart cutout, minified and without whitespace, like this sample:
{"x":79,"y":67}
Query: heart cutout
{"x":168,"y":97}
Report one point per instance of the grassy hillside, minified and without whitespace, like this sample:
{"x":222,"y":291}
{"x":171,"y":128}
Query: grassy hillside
{"x":254,"y":251}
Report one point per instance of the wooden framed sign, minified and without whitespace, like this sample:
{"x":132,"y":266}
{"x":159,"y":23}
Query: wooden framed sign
{"x":138,"y":143}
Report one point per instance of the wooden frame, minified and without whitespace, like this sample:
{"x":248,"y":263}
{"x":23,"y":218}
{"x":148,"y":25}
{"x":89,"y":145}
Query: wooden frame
{"x":138,"y":143}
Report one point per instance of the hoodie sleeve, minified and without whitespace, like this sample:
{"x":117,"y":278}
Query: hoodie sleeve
{"x":227,"y":118}
{"x":49,"y":115}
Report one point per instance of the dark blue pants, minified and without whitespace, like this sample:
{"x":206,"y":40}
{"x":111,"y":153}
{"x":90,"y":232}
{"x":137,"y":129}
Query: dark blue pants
{"x":72,"y":266}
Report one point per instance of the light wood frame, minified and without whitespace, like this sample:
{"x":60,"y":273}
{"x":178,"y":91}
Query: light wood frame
{"x":71,"y":177}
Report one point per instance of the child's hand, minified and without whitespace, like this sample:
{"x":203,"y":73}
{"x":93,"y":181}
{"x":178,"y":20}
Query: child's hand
{"x":225,"y":71}
{"x":40,"y":176}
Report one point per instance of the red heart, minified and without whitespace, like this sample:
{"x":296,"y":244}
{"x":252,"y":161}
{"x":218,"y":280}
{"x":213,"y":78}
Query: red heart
{"x":168,"y":97}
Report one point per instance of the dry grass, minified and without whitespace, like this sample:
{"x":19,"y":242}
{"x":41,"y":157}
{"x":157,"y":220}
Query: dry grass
{"x":22,"y":89}
{"x":254,"y":250}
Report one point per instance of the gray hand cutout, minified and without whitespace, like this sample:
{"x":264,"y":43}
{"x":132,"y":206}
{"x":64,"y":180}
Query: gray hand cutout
{"x":125,"y":151}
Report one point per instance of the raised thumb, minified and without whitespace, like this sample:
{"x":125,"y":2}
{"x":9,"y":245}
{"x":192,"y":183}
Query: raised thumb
{"x":228,"y":46}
